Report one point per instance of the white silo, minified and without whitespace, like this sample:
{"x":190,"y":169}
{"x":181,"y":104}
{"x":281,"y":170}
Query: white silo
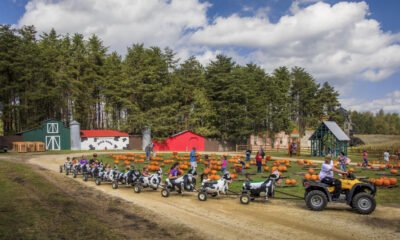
{"x":75,"y":129}
{"x":146,"y":137}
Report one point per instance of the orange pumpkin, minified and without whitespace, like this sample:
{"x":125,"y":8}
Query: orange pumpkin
{"x":288,"y":181}
{"x":116,"y":162}
{"x":311,"y":171}
{"x":372,"y":166}
{"x":358,"y":164}
{"x":381,"y":167}
{"x":378,"y":182}
{"x":266,"y":168}
{"x":307,"y":176}
{"x":394,"y":171}
{"x":393,"y":181}
{"x":351,"y":170}
{"x":372,"y":180}
{"x":313,"y":177}
{"x":386,"y":182}
{"x":293,"y":182}
{"x":214,"y":172}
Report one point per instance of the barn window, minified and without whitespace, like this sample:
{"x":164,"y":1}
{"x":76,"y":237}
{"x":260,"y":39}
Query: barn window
{"x":280,"y":140}
{"x":255,"y":140}
{"x":52,"y":127}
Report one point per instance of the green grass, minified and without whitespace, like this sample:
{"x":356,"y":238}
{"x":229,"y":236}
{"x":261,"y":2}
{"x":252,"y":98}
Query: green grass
{"x":33,"y":208}
{"x":384,"y":195}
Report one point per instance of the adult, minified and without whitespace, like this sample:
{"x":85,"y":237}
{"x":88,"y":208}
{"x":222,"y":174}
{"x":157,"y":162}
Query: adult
{"x":147,"y":149}
{"x":326,"y":176}
{"x":386,"y":156}
{"x":248,"y":155}
{"x":193,"y":162}
{"x":259,"y":159}
{"x":342,"y":161}
{"x":262,"y":152}
{"x":291,"y":149}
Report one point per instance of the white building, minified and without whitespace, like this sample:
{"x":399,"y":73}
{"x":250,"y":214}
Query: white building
{"x":104,"y":140}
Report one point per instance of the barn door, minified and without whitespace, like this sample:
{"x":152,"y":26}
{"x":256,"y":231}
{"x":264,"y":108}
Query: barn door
{"x":53,"y":143}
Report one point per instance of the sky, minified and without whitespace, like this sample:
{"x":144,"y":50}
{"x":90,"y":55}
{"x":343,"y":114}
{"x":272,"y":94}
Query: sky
{"x":353,"y":45}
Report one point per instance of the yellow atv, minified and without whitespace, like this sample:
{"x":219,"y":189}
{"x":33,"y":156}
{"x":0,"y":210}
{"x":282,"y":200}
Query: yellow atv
{"x":359,"y":194}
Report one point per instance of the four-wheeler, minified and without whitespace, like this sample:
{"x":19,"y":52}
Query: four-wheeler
{"x":252,"y":190}
{"x":153,"y":181}
{"x":186,"y":182}
{"x":128,"y":178}
{"x":109,"y":176}
{"x":215,"y":188}
{"x":359,"y":194}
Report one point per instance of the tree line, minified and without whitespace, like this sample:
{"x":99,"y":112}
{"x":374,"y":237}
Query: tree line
{"x":378,"y":123}
{"x":68,"y":77}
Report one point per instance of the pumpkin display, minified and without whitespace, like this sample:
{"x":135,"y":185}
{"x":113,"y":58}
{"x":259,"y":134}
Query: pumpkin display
{"x":394,"y":171}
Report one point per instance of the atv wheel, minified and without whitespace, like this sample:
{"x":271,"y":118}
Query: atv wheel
{"x":137,"y":188}
{"x":244,"y":198}
{"x":165,"y":192}
{"x":364,"y":203}
{"x":61,"y":169}
{"x":316,"y":200}
{"x":202,"y":196}
{"x":85,"y":177}
{"x":115,"y":185}
{"x":98,"y":181}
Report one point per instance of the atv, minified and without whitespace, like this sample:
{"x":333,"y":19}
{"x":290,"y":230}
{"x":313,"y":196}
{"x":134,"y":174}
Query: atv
{"x":359,"y":194}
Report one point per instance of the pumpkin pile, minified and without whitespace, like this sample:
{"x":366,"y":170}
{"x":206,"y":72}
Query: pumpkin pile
{"x":153,"y":166}
{"x":394,"y":171}
{"x":311,"y":177}
{"x":384,"y":181}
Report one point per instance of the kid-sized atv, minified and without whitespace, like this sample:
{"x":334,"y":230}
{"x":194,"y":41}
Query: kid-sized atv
{"x":359,"y":194}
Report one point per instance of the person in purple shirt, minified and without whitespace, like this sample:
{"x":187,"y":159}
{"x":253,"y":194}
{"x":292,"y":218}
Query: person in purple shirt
{"x":223,"y":166}
{"x":83,"y":160}
{"x":173,"y":174}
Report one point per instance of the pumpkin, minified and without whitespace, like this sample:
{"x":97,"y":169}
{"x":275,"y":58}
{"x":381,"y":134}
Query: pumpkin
{"x":372,"y":180}
{"x":116,"y":162}
{"x":381,"y":167}
{"x":213,"y":171}
{"x":351,"y":170}
{"x":162,"y":164}
{"x":372,"y":166}
{"x":389,"y":165}
{"x":311,"y":171}
{"x":358,"y":164}
{"x":393,"y":181}
{"x":386,"y":182}
{"x":288,"y":181}
{"x":394,"y":171}
{"x":284,"y":168}
{"x":217,"y":177}
{"x":313,"y":177}
{"x":293,"y":182}
{"x":307,"y":176}
{"x":378,"y":182}
{"x":266,"y":168}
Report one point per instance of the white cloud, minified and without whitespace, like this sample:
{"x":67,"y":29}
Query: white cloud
{"x":337,"y":43}
{"x":390,"y":103}
{"x":119,"y":23}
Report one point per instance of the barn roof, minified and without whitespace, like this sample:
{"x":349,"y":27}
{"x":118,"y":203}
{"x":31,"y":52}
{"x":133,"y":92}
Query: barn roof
{"x":103,"y":133}
{"x":50,"y":119}
{"x":335,"y":129}
{"x":179,"y":133}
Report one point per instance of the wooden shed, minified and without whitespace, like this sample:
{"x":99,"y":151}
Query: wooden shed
{"x":183,"y":141}
{"x":329,"y":138}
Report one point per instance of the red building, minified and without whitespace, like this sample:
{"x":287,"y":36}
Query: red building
{"x":183,"y":141}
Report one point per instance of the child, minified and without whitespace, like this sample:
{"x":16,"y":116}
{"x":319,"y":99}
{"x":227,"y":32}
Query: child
{"x":223,"y":166}
{"x":386,"y":156}
{"x":248,"y":155}
{"x":243,"y":165}
{"x":248,"y":178}
{"x":342,"y":161}
{"x":259,"y":159}
{"x":174,"y":171}
{"x":145,"y":172}
{"x":204,"y":178}
{"x":365,"y":164}
{"x":74,"y":160}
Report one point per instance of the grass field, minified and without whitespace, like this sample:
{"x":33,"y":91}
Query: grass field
{"x":384,"y":195}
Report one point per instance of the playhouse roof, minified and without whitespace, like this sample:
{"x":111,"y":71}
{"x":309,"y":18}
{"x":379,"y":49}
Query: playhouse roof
{"x":335,"y":129}
{"x":103,"y":133}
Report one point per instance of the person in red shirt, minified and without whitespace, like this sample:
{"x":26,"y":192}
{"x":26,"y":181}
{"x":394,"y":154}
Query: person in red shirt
{"x":259,"y":159}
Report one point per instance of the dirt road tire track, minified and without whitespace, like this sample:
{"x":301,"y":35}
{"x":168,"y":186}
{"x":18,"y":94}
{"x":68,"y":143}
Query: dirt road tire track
{"x":276,"y":219}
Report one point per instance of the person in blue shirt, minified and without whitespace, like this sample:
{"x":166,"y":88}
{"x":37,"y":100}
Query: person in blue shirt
{"x":248,"y":154}
{"x":193,"y":162}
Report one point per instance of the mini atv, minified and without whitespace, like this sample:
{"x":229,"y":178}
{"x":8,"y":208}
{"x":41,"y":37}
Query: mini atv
{"x":359,"y":194}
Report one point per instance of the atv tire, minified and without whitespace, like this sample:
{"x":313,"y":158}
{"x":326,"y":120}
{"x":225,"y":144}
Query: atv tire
{"x":364,"y":203}
{"x":316,"y":200}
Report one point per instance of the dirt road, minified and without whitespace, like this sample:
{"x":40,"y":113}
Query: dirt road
{"x":226,"y":218}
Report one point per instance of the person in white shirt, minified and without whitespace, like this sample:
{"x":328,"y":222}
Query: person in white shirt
{"x":386,"y":156}
{"x":326,"y":176}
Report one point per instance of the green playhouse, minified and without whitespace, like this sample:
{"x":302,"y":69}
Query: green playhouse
{"x":329,"y":138}
{"x":52,"y":132}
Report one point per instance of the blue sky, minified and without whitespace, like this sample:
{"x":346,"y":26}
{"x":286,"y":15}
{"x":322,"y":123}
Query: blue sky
{"x":351,"y":44}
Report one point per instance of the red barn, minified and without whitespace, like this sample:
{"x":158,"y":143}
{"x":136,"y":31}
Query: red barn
{"x":183,"y":141}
